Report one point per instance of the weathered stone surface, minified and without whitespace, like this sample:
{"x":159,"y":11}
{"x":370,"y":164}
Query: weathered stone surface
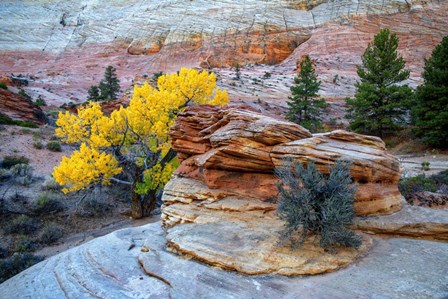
{"x":220,"y":205}
{"x":252,"y":248}
{"x":236,"y":150}
{"x":106,"y":268}
{"x":68,"y":44}
{"x":375,"y":171}
{"x":410,"y":221}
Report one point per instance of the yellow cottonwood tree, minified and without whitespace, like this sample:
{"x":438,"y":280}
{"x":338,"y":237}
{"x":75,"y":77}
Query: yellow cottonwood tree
{"x":132,"y":142}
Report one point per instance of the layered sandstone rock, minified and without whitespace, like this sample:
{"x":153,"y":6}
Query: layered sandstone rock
{"x":237,"y":150}
{"x":220,"y":206}
{"x":19,"y":108}
{"x":375,"y":172}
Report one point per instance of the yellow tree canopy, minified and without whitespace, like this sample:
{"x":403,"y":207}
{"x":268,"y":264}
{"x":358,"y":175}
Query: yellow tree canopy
{"x":137,"y":134}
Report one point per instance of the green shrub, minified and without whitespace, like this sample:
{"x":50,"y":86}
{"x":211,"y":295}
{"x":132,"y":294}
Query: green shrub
{"x":425,"y":165}
{"x":6,"y":120}
{"x":40,"y":102}
{"x":156,"y":75}
{"x":10,"y":161}
{"x":26,"y":124}
{"x":313,"y":204}
{"x":23,"y":93}
{"x":21,"y":225}
{"x":50,"y":184}
{"x":409,"y":186}
{"x":3,"y":86}
{"x":54,"y":146}
{"x":37,"y":144}
{"x":51,"y":233}
{"x":16,"y":264}
{"x":25,"y":245}
{"x":48,"y":203}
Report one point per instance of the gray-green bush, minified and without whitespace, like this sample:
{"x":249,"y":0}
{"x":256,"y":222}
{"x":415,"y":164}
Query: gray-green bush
{"x":21,"y":225}
{"x":311,"y":203}
{"x":54,"y":146}
{"x":16,"y":264}
{"x":51,"y":233}
{"x":48,"y":203}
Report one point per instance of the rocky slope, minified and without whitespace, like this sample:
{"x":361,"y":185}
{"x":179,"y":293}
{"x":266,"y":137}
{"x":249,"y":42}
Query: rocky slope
{"x":18,"y":108}
{"x":66,"y":45}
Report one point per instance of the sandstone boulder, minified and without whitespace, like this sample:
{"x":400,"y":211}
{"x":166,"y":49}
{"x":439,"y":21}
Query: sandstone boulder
{"x":375,"y":172}
{"x":237,"y":150}
{"x":220,"y":206}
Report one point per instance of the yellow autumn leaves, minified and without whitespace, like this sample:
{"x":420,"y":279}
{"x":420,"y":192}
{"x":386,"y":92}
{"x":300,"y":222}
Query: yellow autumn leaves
{"x":88,"y":165}
{"x":105,"y":140}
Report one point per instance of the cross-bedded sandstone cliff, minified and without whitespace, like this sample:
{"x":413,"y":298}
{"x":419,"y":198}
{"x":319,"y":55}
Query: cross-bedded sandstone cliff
{"x":66,"y":45}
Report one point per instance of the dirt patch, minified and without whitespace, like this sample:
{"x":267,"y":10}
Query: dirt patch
{"x":18,"y":141}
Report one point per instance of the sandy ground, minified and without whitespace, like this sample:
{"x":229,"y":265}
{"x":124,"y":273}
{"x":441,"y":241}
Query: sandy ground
{"x":19,"y":142}
{"x":412,"y":164}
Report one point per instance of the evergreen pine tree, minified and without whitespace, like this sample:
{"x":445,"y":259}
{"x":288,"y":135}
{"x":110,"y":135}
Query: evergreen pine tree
{"x":379,"y":104}
{"x":304,"y":104}
{"x":431,"y":109}
{"x":110,"y":85}
{"x":94,"y":94}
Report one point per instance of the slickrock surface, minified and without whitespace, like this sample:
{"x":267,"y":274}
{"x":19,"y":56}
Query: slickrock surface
{"x":66,"y":45}
{"x":410,"y":221}
{"x":105,"y":268}
{"x":220,"y":205}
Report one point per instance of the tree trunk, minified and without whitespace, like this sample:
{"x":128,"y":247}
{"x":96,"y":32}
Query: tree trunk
{"x":142,"y":205}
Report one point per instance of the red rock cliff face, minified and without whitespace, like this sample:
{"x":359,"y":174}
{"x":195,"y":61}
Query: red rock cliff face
{"x":19,"y":108}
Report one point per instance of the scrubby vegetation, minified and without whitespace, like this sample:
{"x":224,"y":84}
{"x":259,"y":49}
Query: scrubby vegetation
{"x":16,"y":264}
{"x":436,"y":183}
{"x":6,"y":120}
{"x":48,"y":203}
{"x":22,"y":224}
{"x":50,"y":233}
{"x":54,"y":146}
{"x":312,"y":204}
{"x":3,"y":86}
{"x":10,"y":161}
